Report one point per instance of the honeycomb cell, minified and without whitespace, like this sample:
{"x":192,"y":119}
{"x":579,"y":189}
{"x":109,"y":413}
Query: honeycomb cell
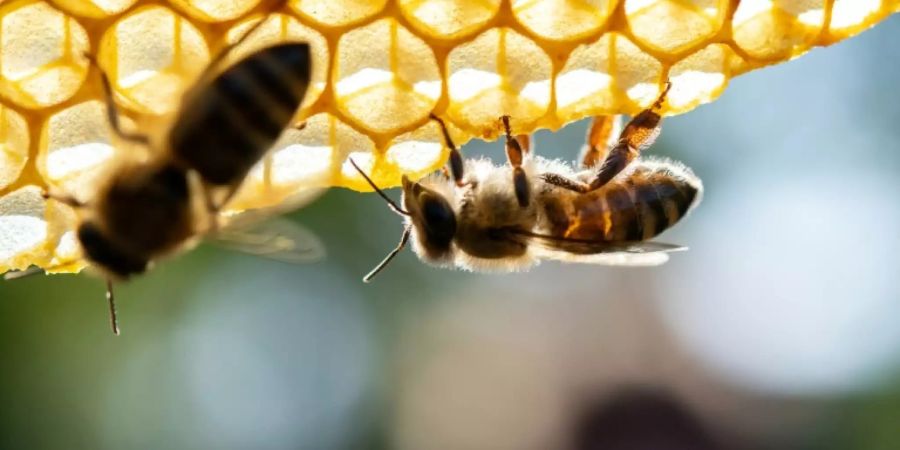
{"x":637,"y":75}
{"x":852,"y":16}
{"x":63,"y":252}
{"x":13,"y":145}
{"x":76,"y":149}
{"x":563,"y":19}
{"x":96,"y":9}
{"x":449,"y":19}
{"x":584,"y":85}
{"x":152,"y":55}
{"x":41,"y":63}
{"x":301,"y":159}
{"x":699,"y":78}
{"x":215,"y":10}
{"x":337,"y":13}
{"x":767,"y":29}
{"x":673,"y":26}
{"x":23,"y":228}
{"x":607,"y":76}
{"x":307,"y":158}
{"x":281,"y":28}
{"x":487,"y":79}
{"x":385,"y":78}
{"x":420,"y":151}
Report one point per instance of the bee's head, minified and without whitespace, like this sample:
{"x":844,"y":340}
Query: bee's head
{"x":432,"y":217}
{"x":106,"y":254}
{"x":428,"y":213}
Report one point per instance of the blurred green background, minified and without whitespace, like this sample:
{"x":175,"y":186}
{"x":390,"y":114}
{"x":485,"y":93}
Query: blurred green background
{"x":777,"y":330}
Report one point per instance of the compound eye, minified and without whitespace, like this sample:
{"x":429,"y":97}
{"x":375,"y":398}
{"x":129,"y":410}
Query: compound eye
{"x":438,"y":217}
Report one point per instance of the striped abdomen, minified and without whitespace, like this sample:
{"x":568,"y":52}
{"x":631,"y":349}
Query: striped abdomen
{"x":227,"y":125}
{"x":654,"y":197}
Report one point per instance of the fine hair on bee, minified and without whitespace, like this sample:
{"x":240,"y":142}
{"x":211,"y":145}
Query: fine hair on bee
{"x":227,"y":121}
{"x":480,"y":217}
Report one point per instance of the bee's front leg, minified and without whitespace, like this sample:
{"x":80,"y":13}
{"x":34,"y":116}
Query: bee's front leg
{"x":112,"y":109}
{"x":516,"y":149}
{"x":456,"y":159}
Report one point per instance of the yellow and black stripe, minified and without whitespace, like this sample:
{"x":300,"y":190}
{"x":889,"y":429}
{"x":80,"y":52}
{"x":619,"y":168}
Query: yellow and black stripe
{"x":638,"y":207}
{"x":227,"y":125}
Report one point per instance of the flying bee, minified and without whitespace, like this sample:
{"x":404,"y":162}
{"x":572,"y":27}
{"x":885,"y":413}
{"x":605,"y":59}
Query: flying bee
{"x":226,"y":123}
{"x":482,"y":217}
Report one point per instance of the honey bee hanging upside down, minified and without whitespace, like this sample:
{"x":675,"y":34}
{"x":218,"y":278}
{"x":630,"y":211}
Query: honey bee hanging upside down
{"x":488,"y":218}
{"x":227,"y":121}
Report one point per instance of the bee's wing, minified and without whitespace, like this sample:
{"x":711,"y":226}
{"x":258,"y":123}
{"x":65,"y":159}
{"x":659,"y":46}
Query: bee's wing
{"x":19,"y":274}
{"x":278,"y":239}
{"x":635,"y":253}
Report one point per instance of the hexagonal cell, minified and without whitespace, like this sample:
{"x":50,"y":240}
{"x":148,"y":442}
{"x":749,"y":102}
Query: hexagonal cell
{"x":96,"y":9}
{"x":13,"y":145}
{"x":851,"y":16}
{"x":420,"y":151}
{"x":76,"y":149}
{"x":583,"y":86}
{"x":215,"y":10}
{"x":699,"y":78}
{"x":337,"y":13}
{"x":605,"y":76}
{"x":768,"y":29}
{"x":152,"y":55}
{"x":674,"y":25}
{"x":41,"y":54}
{"x":385,"y":78}
{"x":449,"y":19}
{"x":282,"y":28}
{"x":301,"y":159}
{"x":563,"y":19}
{"x":487,"y":80}
{"x":65,"y":251}
{"x":23,"y":229}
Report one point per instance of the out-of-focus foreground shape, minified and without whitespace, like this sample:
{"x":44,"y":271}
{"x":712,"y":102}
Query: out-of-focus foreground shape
{"x":380,"y":68}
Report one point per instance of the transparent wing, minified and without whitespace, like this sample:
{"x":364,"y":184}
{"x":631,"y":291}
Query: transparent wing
{"x":19,"y":274}
{"x":634,"y":254}
{"x":278,"y":239}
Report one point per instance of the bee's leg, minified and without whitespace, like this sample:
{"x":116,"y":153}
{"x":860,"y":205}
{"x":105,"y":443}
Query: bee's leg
{"x":213,"y":206}
{"x":112,"y":109}
{"x":64,"y":199}
{"x":639,"y":133}
{"x":601,"y":136}
{"x":516,"y":148}
{"x":456,"y":160}
{"x":111,"y":300}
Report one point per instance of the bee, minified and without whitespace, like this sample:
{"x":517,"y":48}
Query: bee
{"x":481,"y":217}
{"x":226,"y":123}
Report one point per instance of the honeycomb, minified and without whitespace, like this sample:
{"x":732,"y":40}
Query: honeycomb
{"x":380,"y":68}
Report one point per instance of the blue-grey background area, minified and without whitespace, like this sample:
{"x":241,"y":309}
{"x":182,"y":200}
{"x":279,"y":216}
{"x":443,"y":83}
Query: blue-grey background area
{"x":777,"y":330}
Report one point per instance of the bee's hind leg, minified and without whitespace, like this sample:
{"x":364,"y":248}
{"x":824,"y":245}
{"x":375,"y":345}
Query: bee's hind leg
{"x":516,"y":149}
{"x":602,"y":135}
{"x":641,"y":132}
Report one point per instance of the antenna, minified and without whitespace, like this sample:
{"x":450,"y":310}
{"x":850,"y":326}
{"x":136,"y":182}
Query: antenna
{"x":404,"y":238}
{"x":393,"y":205}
